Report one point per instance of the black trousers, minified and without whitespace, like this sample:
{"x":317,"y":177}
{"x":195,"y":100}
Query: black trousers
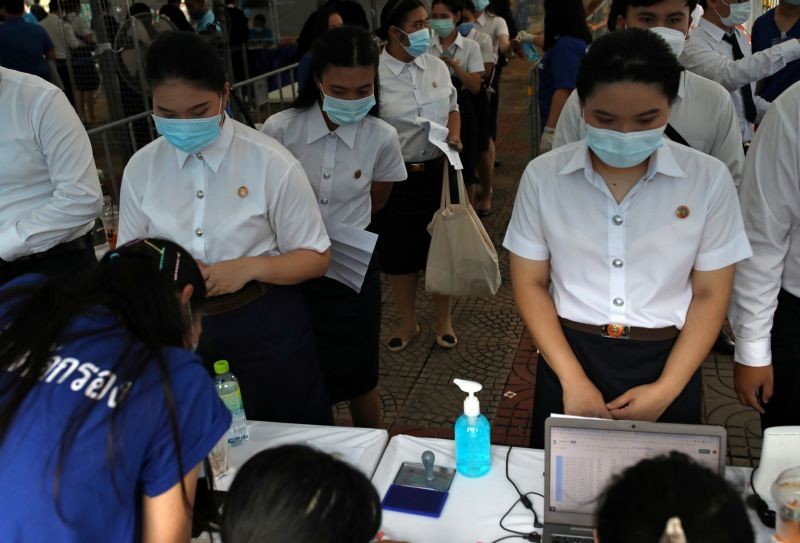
{"x":782,"y":408}
{"x":63,"y":265}
{"x":614,"y":366}
{"x":270,"y":347}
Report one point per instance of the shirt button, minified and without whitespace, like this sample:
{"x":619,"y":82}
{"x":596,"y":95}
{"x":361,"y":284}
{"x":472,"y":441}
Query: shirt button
{"x":324,"y":201}
{"x":619,"y":302}
{"x":423,"y":152}
{"x":326,"y":175}
{"x":617,"y":219}
{"x":200,"y":194}
{"x":200,"y":156}
{"x":617,"y":262}
{"x":198,"y":232}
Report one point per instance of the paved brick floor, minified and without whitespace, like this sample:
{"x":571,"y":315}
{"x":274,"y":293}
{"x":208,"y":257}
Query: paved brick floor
{"x":417,"y":389}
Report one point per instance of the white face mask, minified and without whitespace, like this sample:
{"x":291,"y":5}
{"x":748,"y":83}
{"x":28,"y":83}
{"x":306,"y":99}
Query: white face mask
{"x":675,"y":38}
{"x":740,"y":14}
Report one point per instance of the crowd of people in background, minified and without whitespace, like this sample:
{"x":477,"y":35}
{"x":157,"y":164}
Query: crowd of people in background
{"x":665,"y":200}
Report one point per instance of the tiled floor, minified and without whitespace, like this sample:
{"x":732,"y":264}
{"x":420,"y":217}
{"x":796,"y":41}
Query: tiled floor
{"x":417,"y":388}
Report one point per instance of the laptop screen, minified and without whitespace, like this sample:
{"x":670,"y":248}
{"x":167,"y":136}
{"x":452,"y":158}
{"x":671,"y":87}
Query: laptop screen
{"x":582,"y":461}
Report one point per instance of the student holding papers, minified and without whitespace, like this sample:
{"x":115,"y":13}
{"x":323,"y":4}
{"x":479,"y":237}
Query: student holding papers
{"x":351,"y":158}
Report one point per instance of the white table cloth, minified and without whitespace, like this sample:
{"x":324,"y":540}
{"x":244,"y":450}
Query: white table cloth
{"x":361,"y":447}
{"x":475,"y":506}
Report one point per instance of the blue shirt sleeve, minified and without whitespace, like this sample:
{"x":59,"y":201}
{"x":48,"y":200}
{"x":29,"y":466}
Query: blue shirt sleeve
{"x":565,"y":59}
{"x":202,"y":421}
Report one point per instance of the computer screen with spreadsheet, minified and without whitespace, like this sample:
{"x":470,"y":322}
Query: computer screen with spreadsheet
{"x":583,"y":460}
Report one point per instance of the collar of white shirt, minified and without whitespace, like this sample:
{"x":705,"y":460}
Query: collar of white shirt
{"x":317,"y":128}
{"x":682,"y":86}
{"x":483,"y":19}
{"x":663,"y":163}
{"x":712,"y":30}
{"x":214,"y":153}
{"x":396,"y":65}
{"x":437,"y":42}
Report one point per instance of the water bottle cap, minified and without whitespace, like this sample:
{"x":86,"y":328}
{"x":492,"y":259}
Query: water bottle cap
{"x":221,"y":366}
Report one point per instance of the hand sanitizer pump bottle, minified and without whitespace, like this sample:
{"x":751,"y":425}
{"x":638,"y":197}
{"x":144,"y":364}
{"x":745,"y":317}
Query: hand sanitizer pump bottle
{"x":473,"y":435}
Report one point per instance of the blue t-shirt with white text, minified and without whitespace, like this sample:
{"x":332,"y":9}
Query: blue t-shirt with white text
{"x":81,"y":378}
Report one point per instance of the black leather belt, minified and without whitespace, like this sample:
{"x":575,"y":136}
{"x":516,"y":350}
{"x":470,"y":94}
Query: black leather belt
{"x":73,"y":246}
{"x":252,"y":291}
{"x":623,"y":331}
{"x":419,"y":167}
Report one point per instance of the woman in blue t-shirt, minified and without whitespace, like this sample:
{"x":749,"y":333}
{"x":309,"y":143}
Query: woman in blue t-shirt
{"x":566,"y":38}
{"x":105,"y":415}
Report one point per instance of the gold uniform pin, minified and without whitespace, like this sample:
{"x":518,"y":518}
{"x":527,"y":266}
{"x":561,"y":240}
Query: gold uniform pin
{"x":243,"y":192}
{"x":682,"y":212}
{"x":435,"y":84}
{"x":357,"y":174}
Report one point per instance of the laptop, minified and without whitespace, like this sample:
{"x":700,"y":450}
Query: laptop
{"x":582,"y":455}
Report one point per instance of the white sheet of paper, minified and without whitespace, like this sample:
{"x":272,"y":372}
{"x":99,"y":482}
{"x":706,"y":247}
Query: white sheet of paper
{"x":351,"y":252}
{"x":437,"y":135}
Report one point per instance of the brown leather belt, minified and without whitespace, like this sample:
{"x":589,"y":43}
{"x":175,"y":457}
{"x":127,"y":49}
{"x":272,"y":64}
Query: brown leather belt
{"x":623,"y":331}
{"x":226,"y":303}
{"x":419,"y":167}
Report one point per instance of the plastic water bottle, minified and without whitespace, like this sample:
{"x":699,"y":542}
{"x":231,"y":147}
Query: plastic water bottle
{"x":473,"y":435}
{"x":228,"y":389}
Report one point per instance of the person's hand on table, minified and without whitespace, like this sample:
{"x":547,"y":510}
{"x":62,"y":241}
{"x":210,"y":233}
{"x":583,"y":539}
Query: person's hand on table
{"x":581,"y":398}
{"x":646,"y":402}
{"x":225,"y":277}
{"x":750,"y":381}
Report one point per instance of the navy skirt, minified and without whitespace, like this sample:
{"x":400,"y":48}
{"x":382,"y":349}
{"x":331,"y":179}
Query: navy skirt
{"x":614,"y":366}
{"x":347,"y":328}
{"x":270,"y":346}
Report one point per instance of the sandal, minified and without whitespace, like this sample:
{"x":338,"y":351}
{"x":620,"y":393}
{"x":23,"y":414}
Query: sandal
{"x":397,"y":344}
{"x":447,"y":341}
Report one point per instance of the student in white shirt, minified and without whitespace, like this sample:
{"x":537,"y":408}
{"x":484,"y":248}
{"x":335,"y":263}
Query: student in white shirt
{"x":639,"y":235}
{"x":719,"y":51}
{"x":352,"y":158}
{"x":497,"y":29}
{"x":242,"y":206}
{"x":415,"y":90}
{"x":765,"y":308}
{"x":690,"y":122}
{"x":49,"y":192}
{"x":463,"y":57}
{"x":481,"y":106}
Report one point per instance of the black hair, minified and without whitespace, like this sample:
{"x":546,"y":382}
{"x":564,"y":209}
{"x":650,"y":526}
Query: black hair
{"x":469,"y":6}
{"x":345,"y":47}
{"x":184,"y":56}
{"x":453,"y":6}
{"x":38,"y":12}
{"x":394,"y":13}
{"x":564,"y":18}
{"x":139,"y":283}
{"x":14,"y":7}
{"x":260,"y":17}
{"x":54,"y":5}
{"x":296,"y":494}
{"x":620,"y":8}
{"x":322,"y":19}
{"x":633,"y":55}
{"x":139,"y":8}
{"x":637,"y":504}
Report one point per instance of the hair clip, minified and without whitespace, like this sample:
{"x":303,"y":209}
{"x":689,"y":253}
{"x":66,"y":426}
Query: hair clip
{"x":177,"y":264}
{"x":162,"y":251}
{"x":113,"y":255}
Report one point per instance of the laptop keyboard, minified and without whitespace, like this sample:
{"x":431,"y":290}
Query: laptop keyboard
{"x":570,"y":539}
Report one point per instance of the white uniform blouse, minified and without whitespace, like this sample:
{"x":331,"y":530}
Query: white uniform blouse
{"x":770,"y":196}
{"x":49,"y":191}
{"x":341,"y":165}
{"x":466,"y":51}
{"x":485,"y":43}
{"x":494,"y":27}
{"x":420,"y":89}
{"x":629,"y":262}
{"x":718,"y":135}
{"x":243,"y":195}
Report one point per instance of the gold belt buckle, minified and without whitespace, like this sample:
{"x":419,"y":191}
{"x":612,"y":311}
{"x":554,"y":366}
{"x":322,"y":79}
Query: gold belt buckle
{"x":616,"y":331}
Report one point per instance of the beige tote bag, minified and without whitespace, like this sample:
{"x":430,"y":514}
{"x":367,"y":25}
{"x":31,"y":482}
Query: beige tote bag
{"x":462,"y":260}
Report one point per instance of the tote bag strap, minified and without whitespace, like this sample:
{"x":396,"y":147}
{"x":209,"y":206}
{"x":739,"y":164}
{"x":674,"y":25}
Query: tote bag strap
{"x":447,"y":200}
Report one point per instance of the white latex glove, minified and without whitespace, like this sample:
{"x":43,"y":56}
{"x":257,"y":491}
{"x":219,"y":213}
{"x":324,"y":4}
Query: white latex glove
{"x":523,"y":37}
{"x":546,"y":142}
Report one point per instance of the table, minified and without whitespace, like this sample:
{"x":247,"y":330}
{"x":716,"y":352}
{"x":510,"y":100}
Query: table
{"x":475,"y":506}
{"x":361,"y":447}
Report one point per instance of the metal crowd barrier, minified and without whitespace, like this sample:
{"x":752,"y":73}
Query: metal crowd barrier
{"x":534,"y":116}
{"x":252,"y":101}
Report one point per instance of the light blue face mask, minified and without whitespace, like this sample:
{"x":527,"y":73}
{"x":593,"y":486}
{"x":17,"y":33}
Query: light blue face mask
{"x":481,"y":5}
{"x":623,"y":149}
{"x":442,"y":27}
{"x":466,"y":28}
{"x":190,"y":135}
{"x":418,"y":42}
{"x":740,"y":14}
{"x":344,"y":112}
